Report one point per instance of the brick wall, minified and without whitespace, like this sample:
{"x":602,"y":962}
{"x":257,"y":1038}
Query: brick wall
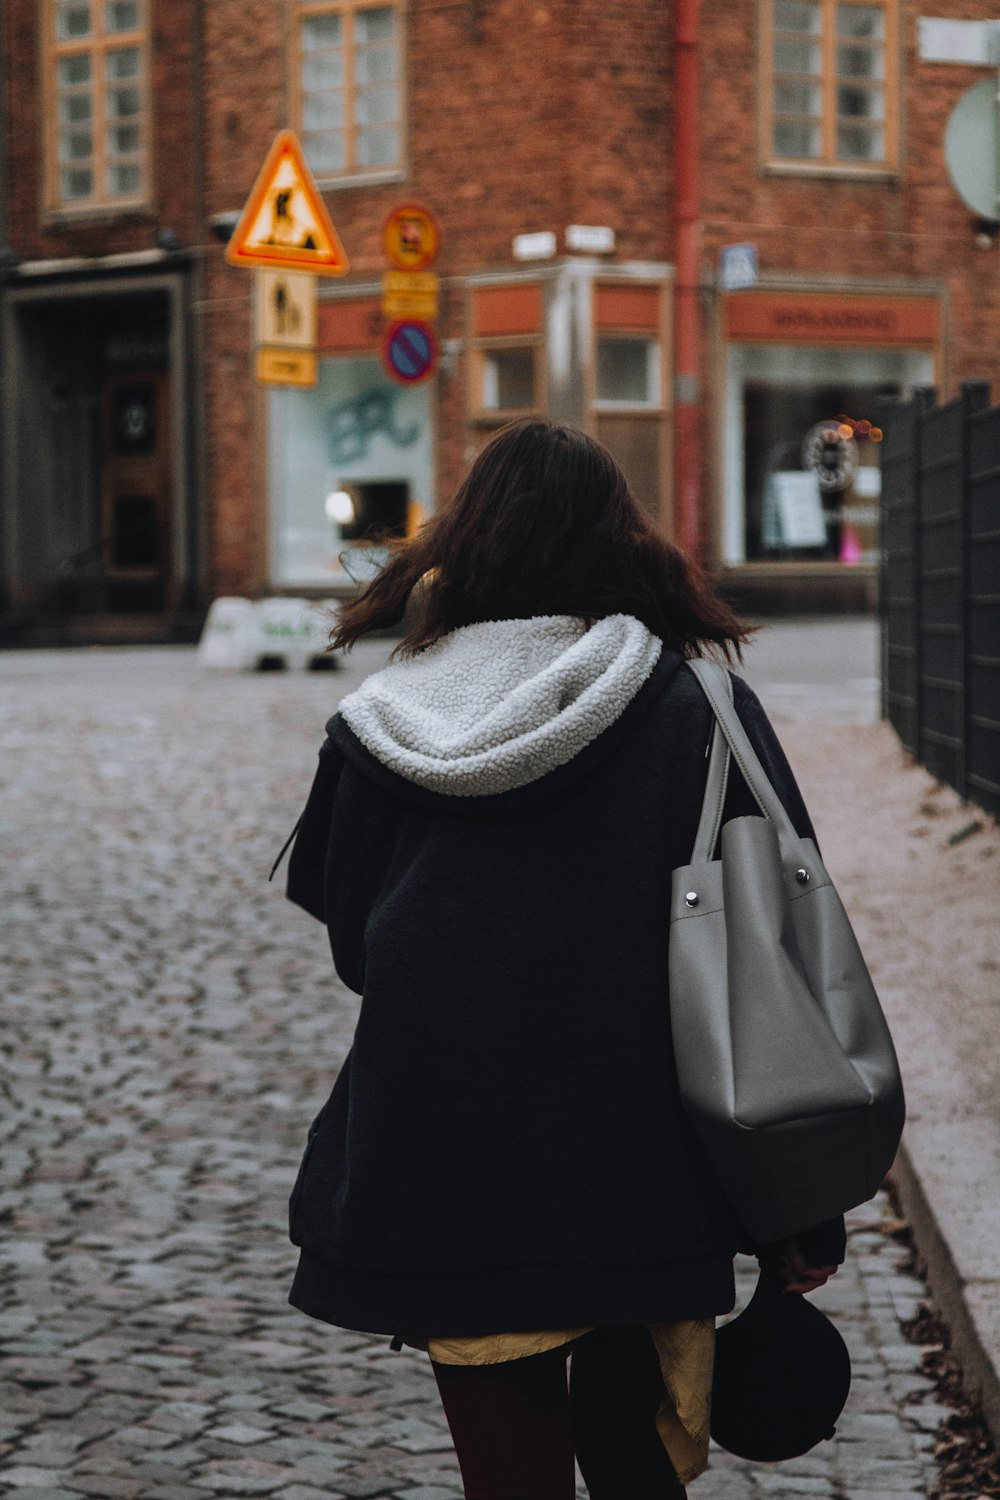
{"x":523,"y":115}
{"x":912,"y":227}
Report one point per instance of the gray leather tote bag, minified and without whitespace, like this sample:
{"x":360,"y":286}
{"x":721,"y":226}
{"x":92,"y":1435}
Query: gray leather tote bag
{"x":785,"y":1063}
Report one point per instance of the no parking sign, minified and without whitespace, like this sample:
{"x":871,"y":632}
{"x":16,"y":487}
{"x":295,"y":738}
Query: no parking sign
{"x":409,"y":351}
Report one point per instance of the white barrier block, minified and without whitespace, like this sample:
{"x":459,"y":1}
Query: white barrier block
{"x":230,"y":639}
{"x":287,"y":630}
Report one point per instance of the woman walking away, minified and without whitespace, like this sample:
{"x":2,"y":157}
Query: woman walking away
{"x":502,"y":1174}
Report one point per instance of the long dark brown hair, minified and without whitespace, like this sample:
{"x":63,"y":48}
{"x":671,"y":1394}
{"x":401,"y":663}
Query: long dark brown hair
{"x":544,"y":524}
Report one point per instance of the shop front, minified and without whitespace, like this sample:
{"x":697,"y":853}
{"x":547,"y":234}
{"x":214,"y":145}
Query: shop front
{"x":351,"y":460}
{"x":354,"y":461}
{"x":803,"y":377}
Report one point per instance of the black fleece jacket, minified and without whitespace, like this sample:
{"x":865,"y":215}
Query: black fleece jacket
{"x":504,"y":1148}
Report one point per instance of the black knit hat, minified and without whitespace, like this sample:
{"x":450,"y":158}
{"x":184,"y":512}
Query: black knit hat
{"x":782,"y":1374}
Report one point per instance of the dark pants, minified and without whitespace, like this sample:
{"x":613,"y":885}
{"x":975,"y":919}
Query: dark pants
{"x":517,"y":1426}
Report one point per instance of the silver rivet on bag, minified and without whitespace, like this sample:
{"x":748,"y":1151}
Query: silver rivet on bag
{"x":802,"y":876}
{"x":691,"y":898}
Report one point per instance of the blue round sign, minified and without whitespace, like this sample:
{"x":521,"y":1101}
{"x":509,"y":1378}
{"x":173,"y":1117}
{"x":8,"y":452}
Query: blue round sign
{"x":409,"y":351}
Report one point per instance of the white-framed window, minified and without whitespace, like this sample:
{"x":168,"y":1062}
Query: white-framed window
{"x":628,"y":371}
{"x":507,"y":379}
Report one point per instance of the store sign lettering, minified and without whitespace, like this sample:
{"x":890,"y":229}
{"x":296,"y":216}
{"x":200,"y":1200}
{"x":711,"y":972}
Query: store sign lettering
{"x":354,"y":423}
{"x":839,"y":319}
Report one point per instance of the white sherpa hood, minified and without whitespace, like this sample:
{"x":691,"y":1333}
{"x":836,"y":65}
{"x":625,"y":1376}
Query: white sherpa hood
{"x":496,"y":705}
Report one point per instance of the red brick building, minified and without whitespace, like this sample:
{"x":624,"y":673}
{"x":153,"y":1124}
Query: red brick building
{"x":144,"y":470}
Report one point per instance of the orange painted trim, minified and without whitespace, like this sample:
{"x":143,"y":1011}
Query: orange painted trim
{"x":627,"y":307}
{"x":831,"y":318}
{"x":501,"y":310}
{"x":349,"y":326}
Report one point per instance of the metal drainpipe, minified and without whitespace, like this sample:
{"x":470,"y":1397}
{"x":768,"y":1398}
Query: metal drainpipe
{"x":687,"y":474}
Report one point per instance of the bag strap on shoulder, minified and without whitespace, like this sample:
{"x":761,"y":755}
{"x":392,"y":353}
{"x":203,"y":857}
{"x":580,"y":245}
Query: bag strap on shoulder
{"x":717,"y":685}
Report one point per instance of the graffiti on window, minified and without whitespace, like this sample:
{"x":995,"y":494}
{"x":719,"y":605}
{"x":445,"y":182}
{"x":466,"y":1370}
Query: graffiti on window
{"x":353,"y":424}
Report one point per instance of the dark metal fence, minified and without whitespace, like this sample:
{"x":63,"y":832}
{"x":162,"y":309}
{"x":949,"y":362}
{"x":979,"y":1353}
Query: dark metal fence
{"x":941,"y":586}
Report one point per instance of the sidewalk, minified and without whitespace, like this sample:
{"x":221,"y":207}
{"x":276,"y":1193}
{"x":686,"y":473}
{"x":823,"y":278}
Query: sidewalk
{"x":920,"y":874}
{"x":171,"y":1025}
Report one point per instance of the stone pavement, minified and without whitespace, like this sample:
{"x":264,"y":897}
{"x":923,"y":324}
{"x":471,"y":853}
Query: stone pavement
{"x":171,"y":1025}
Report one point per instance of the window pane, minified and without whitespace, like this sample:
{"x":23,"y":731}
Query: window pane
{"x":320,"y":31}
{"x":864,"y":104}
{"x":74,"y":69}
{"x":123,"y":103}
{"x":76,"y":182}
{"x":796,"y":57}
{"x":323,"y":111}
{"x":626,"y":371}
{"x":75,"y":145}
{"x":122,"y":15}
{"x":797,"y":97}
{"x":796,"y":138}
{"x":860,"y":62}
{"x":796,"y":15}
{"x":374,"y":25}
{"x":375,"y":65}
{"x":860,"y":20}
{"x":324,"y":151}
{"x":124,"y":180}
{"x":508,"y":380}
{"x":378,"y":146}
{"x":73,"y":19}
{"x":123,"y":63}
{"x":74,"y":108}
{"x":123,"y":140}
{"x":375,"y":106}
{"x":860,"y":143}
{"x":322,"y":70}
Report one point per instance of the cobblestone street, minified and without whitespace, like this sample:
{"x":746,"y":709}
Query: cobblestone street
{"x":171,"y":1026}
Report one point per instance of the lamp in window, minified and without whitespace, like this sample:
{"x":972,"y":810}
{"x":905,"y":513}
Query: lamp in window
{"x":339,"y":507}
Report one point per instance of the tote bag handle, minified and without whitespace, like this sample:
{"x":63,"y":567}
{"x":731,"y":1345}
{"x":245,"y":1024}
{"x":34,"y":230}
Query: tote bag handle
{"x":729,"y":738}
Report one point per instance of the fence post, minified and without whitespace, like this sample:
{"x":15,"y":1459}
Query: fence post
{"x":975,"y":399}
{"x":891,"y":413}
{"x":924,"y":399}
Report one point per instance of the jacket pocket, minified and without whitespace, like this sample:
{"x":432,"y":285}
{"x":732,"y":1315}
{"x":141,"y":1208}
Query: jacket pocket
{"x":299,"y":1184}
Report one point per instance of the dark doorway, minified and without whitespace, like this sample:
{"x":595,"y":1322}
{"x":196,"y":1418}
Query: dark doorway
{"x":92,"y":482}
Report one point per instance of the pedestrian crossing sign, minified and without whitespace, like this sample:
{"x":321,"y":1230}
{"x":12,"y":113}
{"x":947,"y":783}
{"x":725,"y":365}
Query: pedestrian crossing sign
{"x":285,"y":223}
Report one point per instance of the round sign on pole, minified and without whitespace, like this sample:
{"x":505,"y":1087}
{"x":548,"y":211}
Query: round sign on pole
{"x":972,"y":149}
{"x":409,"y":351}
{"x":410,"y":237}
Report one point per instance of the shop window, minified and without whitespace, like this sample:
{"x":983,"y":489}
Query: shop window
{"x":628,"y":371}
{"x":348,"y":86}
{"x":351,"y":464}
{"x":505,"y":381}
{"x":508,"y":380}
{"x":96,"y":70}
{"x":829,"y":86}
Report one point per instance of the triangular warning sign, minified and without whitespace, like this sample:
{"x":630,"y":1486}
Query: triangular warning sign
{"x":285,"y":222}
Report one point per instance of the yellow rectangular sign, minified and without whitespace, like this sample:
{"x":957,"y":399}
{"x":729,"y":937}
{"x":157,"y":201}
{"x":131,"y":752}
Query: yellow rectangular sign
{"x":420,"y":282}
{"x":411,"y":294}
{"x":424,"y":309}
{"x":287,"y":367}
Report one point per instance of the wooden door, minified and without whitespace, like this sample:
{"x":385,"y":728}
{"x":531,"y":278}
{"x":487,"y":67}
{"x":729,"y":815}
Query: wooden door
{"x":136,"y":502}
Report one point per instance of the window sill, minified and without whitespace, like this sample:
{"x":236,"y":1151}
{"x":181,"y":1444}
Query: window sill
{"x":630,"y":408}
{"x":499,"y":418}
{"x":362,"y":179}
{"x":85,"y":213}
{"x":829,"y":171}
